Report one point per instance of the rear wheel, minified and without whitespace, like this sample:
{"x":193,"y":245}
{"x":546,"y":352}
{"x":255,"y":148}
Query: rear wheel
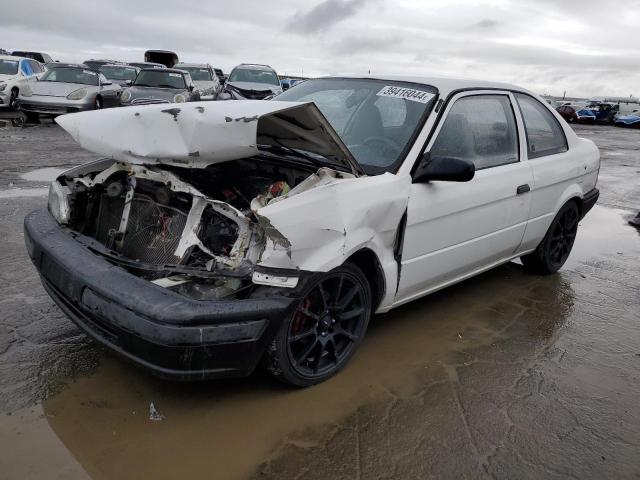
{"x":325,"y":330}
{"x":556,"y":245}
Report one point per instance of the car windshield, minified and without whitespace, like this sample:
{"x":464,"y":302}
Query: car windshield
{"x":160,"y":79}
{"x":119,"y":73}
{"x":71,"y":75}
{"x":254,"y":76}
{"x":198,"y":73}
{"x":8,"y":67}
{"x":376,"y":119}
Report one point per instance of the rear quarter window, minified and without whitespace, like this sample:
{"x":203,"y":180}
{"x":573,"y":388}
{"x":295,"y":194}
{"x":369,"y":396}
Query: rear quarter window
{"x":544,"y":133}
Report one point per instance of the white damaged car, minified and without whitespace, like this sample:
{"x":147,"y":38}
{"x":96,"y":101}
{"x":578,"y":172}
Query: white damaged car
{"x":216,"y":235}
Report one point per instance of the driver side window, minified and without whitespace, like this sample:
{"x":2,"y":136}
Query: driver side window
{"x":481,"y":129}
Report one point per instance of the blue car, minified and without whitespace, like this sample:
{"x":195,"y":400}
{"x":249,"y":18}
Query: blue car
{"x":585,"y":115}
{"x":630,"y":120}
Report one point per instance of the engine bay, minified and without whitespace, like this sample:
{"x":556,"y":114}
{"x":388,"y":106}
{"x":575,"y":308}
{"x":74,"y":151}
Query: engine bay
{"x":194,"y":231}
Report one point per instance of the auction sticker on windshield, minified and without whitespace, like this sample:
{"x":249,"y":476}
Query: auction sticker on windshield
{"x":406,"y":93}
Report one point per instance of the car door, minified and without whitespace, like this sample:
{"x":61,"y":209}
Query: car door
{"x":454,"y":230}
{"x":553,"y":165}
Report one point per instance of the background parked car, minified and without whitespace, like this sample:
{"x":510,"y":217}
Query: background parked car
{"x":37,"y":56}
{"x":221,"y":76}
{"x":66,"y":90}
{"x":154,"y":85}
{"x":630,"y":120}
{"x":573,"y":114}
{"x":95,"y":65}
{"x":165,"y":57}
{"x":204,"y":77}
{"x":604,"y":112}
{"x":123,"y":75}
{"x":15,"y":74}
{"x":253,"y":82}
{"x":51,"y":65}
{"x":142,"y":65}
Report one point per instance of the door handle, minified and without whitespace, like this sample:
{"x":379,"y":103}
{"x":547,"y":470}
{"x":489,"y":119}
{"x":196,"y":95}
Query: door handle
{"x":523,"y":189}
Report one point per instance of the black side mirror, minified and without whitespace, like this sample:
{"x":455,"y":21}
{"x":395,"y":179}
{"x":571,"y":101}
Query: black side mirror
{"x":128,"y":83}
{"x":446,"y":169}
{"x":191,"y":88}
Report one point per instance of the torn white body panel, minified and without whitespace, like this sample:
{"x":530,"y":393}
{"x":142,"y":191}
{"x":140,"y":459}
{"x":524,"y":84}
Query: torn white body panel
{"x":197,"y":134}
{"x":319,"y":229}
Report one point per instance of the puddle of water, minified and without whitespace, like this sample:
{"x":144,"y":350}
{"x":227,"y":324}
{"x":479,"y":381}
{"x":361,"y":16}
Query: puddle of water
{"x":231,"y":427}
{"x":23,"y":192}
{"x":42,"y":174}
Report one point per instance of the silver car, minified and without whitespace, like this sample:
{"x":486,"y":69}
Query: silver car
{"x":204,"y":77}
{"x":68,"y":90}
{"x":252,"y":82}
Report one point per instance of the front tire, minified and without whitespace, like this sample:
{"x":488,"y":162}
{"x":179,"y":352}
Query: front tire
{"x":97,"y":104}
{"x":13,"y":99}
{"x":556,"y":245}
{"x":324,"y":331}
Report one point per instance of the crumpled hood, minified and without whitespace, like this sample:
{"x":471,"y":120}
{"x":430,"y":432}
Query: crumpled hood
{"x":56,"y":89}
{"x":257,"y":87}
{"x":197,"y":134}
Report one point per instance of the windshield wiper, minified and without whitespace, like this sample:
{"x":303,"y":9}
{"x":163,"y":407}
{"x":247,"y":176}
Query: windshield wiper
{"x":300,"y":154}
{"x":167,"y":86}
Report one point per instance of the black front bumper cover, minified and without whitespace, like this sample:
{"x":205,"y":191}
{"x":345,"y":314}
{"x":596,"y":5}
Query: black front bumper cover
{"x":170,"y":334}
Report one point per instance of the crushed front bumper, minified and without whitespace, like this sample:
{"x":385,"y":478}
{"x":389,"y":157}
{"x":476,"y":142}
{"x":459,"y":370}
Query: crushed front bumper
{"x":170,"y":334}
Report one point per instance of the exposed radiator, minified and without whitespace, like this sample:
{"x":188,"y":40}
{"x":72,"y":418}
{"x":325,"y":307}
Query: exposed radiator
{"x":153,"y":230}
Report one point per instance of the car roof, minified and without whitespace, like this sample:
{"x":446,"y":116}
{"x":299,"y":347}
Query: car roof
{"x":165,"y":70}
{"x":445,"y":85}
{"x":255,"y":66}
{"x":196,"y":65}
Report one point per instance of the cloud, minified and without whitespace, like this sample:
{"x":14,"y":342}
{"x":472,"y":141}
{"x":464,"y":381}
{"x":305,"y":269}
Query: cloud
{"x":542,"y":45}
{"x":324,"y":15}
{"x":351,"y":44}
{"x":486,"y":23}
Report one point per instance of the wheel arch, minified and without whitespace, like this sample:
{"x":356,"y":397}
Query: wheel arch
{"x":369,"y":263}
{"x":573,"y":193}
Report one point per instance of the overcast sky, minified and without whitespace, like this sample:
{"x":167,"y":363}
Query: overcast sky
{"x":586,"y":47}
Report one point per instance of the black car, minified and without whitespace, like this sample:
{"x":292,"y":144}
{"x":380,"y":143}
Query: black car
{"x":142,"y":65}
{"x":153,"y":85}
{"x":37,"y":56}
{"x":51,"y":65}
{"x":123,"y":75}
{"x":95,"y":64}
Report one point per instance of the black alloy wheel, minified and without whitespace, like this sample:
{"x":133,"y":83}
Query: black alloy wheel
{"x":13,"y":100}
{"x":556,"y":246}
{"x":325,"y":329}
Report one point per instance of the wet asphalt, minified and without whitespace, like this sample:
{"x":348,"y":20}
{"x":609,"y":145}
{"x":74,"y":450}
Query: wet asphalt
{"x":506,"y":375}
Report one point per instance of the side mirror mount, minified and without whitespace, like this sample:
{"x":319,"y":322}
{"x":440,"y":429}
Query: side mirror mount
{"x":191,"y":88}
{"x":446,"y":169}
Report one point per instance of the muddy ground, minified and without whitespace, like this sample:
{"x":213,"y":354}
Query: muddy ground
{"x":506,"y":375}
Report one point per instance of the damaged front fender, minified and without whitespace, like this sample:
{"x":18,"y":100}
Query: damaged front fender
{"x":321,"y":228}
